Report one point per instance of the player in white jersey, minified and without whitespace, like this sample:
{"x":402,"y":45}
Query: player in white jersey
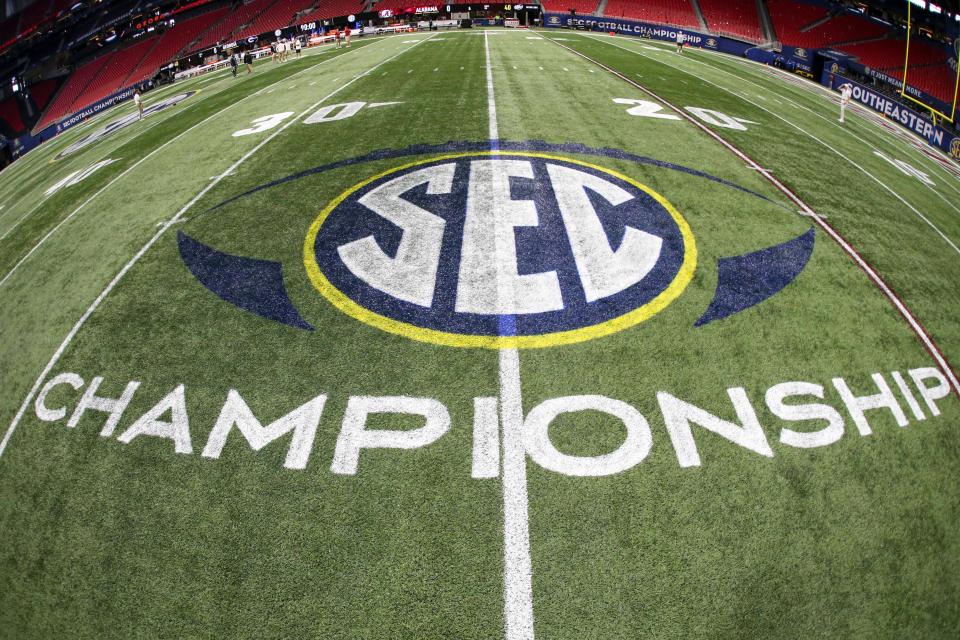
{"x":846,"y":91}
{"x":137,"y":100}
{"x":680,"y":41}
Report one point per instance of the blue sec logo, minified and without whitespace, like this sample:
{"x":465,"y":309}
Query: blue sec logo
{"x":500,"y":249}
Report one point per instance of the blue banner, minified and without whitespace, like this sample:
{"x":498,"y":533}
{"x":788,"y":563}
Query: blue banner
{"x":646,"y":30}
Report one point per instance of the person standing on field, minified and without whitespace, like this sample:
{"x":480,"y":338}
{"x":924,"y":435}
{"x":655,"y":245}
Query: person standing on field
{"x":680,"y":41}
{"x":233,"y":64}
{"x":346,"y":33}
{"x":137,"y":100}
{"x":297,"y":46}
{"x":248,"y":60}
{"x":846,"y":91}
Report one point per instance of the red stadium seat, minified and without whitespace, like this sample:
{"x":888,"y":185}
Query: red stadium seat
{"x":736,"y":18}
{"x":673,"y":12}
{"x":223,"y":31}
{"x":792,"y":22}
{"x":278,"y":15}
{"x":171,"y":42}
{"x":112,"y":74}
{"x":582,"y":7}
{"x":334,"y":9}
{"x":72,"y":88}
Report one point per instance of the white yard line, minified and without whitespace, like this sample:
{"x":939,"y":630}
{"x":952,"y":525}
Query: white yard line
{"x":172,"y":221}
{"x":517,"y":564}
{"x":806,"y":133}
{"x":135,"y":165}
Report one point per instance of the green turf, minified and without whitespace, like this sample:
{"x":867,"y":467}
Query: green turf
{"x":106,"y":539}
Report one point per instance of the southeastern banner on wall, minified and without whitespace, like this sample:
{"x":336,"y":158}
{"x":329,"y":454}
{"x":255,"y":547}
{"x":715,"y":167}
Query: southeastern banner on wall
{"x":895,"y":110}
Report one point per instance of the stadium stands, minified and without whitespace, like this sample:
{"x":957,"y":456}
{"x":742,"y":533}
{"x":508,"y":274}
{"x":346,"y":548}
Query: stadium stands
{"x":111,"y":74}
{"x":222,"y":31}
{"x":789,"y":17}
{"x":800,"y":24}
{"x":72,"y":89}
{"x":736,"y":18}
{"x":173,"y":41}
{"x":278,"y":15}
{"x":332,"y":9}
{"x":583,"y":7}
{"x":939,"y":81}
{"x":675,"y":12}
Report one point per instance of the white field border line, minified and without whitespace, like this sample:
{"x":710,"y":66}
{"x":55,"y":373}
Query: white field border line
{"x":517,"y":563}
{"x":875,"y":132}
{"x":169,"y":223}
{"x":918,"y":329}
{"x":143,"y":159}
{"x":803,"y":131}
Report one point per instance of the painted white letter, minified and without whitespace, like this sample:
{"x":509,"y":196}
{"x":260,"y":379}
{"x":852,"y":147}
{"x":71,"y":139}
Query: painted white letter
{"x":856,"y":406}
{"x":811,"y":411}
{"x":930,"y":393}
{"x":486,"y":438}
{"x":489,"y":279}
{"x":603,"y":271}
{"x":40,"y":407}
{"x":354,"y":436}
{"x":678,"y":415}
{"x":303,"y":421}
{"x":177,"y":429}
{"x":536,"y":437}
{"x":111,"y":406}
{"x":412,"y":274}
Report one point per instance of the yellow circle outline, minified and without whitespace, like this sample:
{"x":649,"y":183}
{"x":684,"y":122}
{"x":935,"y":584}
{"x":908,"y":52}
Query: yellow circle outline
{"x":345,"y":304}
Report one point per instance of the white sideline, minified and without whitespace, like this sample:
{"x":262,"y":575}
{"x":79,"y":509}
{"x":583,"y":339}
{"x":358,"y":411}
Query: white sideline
{"x":517,"y":564}
{"x":140,"y":161}
{"x":172,"y":221}
{"x":915,"y":325}
{"x":801,"y":130}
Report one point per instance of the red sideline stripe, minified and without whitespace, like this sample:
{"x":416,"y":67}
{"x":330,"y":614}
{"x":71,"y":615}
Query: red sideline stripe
{"x":898,"y":304}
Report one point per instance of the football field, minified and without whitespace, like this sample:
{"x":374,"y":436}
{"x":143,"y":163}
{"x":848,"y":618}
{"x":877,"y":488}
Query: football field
{"x":481,"y":334}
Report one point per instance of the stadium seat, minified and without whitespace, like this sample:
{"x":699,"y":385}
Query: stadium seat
{"x":736,"y":18}
{"x":222,"y":32}
{"x":112,"y":74}
{"x":72,"y":88}
{"x":673,"y":12}
{"x":172,"y":42}
{"x":790,"y":16}
{"x":278,"y":15}
{"x":582,"y":7}
{"x":332,"y":9}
